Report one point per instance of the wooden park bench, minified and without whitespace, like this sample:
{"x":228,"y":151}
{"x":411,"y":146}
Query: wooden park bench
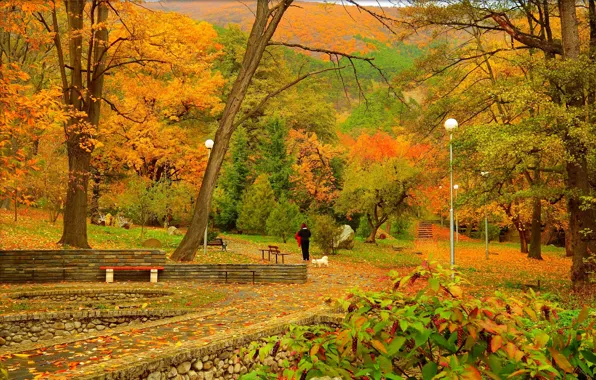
{"x":110,"y":271}
{"x":218,"y":242}
{"x":273,"y":250}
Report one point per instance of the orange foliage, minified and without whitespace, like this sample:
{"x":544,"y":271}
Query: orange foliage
{"x":145,"y":133}
{"x":381,"y":146}
{"x":23,"y":118}
{"x":320,"y":25}
{"x":315,"y":179}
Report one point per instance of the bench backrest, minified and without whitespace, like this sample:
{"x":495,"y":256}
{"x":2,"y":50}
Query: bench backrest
{"x":218,"y":241}
{"x":273,"y":248}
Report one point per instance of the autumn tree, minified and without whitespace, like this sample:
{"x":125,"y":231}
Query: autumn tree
{"x":378,"y":181}
{"x":92,"y":40}
{"x":24,"y":116}
{"x":316,"y":171}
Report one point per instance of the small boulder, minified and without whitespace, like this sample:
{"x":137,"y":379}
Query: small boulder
{"x":152,"y":243}
{"x":346,"y":238}
{"x":174,"y":231}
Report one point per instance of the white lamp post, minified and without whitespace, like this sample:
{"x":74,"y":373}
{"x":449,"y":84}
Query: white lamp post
{"x":450,"y":126}
{"x":456,"y":186}
{"x":208,"y":144}
{"x":485,"y":174}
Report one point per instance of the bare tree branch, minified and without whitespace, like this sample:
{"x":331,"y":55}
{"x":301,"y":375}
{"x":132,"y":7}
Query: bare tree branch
{"x":115,"y":109}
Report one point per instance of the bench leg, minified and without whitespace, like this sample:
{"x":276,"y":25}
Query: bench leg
{"x":153,"y":275}
{"x":109,"y":275}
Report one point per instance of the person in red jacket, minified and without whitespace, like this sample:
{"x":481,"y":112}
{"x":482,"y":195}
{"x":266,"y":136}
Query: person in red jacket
{"x":303,"y":237}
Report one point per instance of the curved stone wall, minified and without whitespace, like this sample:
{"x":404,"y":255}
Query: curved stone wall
{"x":29,"y":328}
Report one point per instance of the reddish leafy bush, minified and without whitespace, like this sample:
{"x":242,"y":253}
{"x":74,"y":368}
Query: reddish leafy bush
{"x":427,"y":328}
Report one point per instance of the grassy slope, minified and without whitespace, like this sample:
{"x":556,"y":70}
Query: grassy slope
{"x":506,"y":269}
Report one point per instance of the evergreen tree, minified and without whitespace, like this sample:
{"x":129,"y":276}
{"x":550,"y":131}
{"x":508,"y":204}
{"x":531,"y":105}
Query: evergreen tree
{"x":284,"y":219}
{"x":257,"y":202}
{"x":275,"y":161}
{"x":232,"y":183}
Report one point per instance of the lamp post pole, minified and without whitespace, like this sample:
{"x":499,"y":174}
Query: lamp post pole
{"x":450,"y":125}
{"x":485,"y":174}
{"x":208,"y":145}
{"x":456,"y":186}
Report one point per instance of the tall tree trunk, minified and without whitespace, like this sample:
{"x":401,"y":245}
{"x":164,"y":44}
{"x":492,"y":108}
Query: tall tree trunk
{"x":522,"y":232}
{"x":95,"y":194}
{"x":581,"y":223}
{"x":75,"y":210}
{"x":16,"y":203}
{"x":80,"y":130}
{"x":582,"y":227}
{"x":535,"y":231}
{"x":523,"y":240}
{"x":265,"y":24}
{"x":568,"y":247}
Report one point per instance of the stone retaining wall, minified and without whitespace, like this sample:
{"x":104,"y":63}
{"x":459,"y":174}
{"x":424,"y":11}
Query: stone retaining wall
{"x":264,"y":273}
{"x":228,"y":364}
{"x":84,"y":295}
{"x":221,"y":357}
{"x":28,"y":328}
{"x":20,"y":266}
{"x":83,"y":265}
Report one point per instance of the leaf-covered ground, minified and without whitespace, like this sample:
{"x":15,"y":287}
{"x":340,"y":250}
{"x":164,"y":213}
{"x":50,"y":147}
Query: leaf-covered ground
{"x":227,"y":308}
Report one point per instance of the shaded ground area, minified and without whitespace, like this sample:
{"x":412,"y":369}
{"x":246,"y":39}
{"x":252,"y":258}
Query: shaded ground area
{"x":244,"y":305}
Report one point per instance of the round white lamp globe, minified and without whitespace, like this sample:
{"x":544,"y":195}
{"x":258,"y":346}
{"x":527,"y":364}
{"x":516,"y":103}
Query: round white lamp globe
{"x":451,"y":124}
{"x":209,"y":144}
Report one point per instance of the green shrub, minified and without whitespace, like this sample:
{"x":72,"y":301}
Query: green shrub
{"x":363,"y":229}
{"x":400,"y":227}
{"x":425,"y":327}
{"x":325,"y":232}
{"x":493,"y":232}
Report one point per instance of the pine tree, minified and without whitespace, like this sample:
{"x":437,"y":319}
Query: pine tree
{"x":233,"y":182}
{"x":257,"y":203}
{"x":275,"y":161}
{"x":284,"y":219}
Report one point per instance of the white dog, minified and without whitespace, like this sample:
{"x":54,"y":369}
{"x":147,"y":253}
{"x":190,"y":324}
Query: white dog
{"x":320,"y":262}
